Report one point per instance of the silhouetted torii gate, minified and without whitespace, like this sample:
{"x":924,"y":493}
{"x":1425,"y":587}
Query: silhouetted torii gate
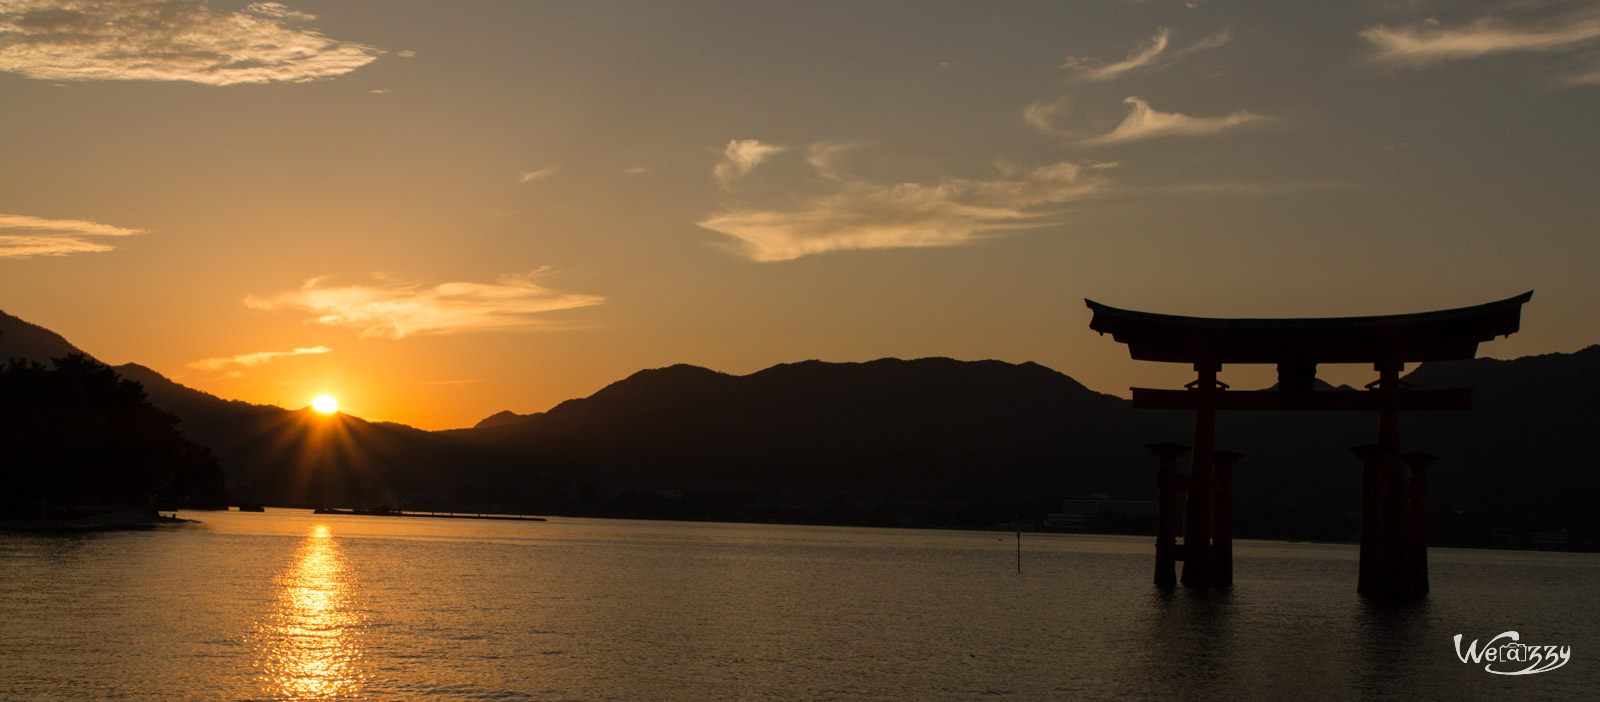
{"x":1393,"y":509}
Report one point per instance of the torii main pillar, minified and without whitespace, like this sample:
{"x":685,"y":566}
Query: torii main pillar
{"x":1198,"y":513}
{"x":1393,"y":487}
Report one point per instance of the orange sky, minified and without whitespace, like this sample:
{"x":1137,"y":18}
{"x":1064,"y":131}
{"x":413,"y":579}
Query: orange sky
{"x":436,"y":211}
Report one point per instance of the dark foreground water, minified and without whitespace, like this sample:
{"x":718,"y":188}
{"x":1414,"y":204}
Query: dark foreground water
{"x":289,"y":605}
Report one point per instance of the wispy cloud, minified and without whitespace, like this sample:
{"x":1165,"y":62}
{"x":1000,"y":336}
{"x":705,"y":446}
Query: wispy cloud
{"x":1141,"y":56}
{"x":1589,"y":76}
{"x":541,"y":174}
{"x":1144,"y":122}
{"x":395,"y":310}
{"x":1150,"y":54}
{"x":54,"y":237}
{"x":822,"y":155}
{"x":865,"y":214}
{"x":1432,"y":43}
{"x":65,"y":226}
{"x":250,"y":360}
{"x":169,"y":40}
{"x":635,"y":170}
{"x":742,"y":156}
{"x":1043,"y":116}
{"x":1220,"y":37}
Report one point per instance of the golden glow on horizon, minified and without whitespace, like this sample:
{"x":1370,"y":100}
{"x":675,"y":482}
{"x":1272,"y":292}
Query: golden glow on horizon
{"x":530,"y":246}
{"x":325,"y":404}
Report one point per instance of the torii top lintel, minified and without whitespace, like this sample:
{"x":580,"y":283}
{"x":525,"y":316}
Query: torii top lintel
{"x":1442,"y":335}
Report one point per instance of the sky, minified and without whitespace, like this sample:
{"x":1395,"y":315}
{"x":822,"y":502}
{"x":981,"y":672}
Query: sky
{"x":435,"y":211}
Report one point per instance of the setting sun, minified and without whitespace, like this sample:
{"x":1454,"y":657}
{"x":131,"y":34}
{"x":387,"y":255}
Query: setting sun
{"x":325,"y":404}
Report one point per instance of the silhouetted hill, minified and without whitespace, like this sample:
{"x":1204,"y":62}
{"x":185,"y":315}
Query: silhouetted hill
{"x":1518,"y":461}
{"x":1525,"y":452}
{"x":502,"y":418}
{"x":270,"y":454}
{"x":19,"y":339}
{"x":300,"y":457}
{"x":931,"y":441}
{"x":78,"y":440}
{"x":931,"y":426}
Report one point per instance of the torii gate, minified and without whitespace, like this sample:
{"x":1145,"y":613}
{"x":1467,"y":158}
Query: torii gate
{"x":1393,"y":513}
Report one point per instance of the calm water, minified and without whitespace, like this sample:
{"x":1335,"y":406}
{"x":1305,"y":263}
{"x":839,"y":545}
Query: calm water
{"x":289,"y":605}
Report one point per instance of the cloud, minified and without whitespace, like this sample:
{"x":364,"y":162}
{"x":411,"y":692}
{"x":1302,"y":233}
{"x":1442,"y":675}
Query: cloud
{"x":1588,"y":77}
{"x":395,"y":310}
{"x":822,"y":154}
{"x":169,"y":40}
{"x":864,"y":214}
{"x":65,"y":226}
{"x":635,"y":170}
{"x":541,"y":174}
{"x":1143,"y":122}
{"x":13,"y":246}
{"x":1222,"y":36}
{"x":1433,"y":44}
{"x":54,"y":237}
{"x":250,"y":360}
{"x":741,"y":157}
{"x":1042,"y":116}
{"x":1136,"y":59}
{"x":1147,"y":55}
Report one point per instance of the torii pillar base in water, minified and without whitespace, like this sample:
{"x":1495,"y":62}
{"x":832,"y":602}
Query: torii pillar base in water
{"x":1222,"y":517}
{"x":1167,"y":484}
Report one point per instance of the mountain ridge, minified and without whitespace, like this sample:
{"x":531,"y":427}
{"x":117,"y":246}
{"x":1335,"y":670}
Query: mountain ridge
{"x":931,"y":441}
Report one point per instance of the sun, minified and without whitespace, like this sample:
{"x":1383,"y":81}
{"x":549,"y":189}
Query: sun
{"x":325,"y":404}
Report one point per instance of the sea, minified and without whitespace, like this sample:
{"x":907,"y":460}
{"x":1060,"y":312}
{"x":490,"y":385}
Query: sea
{"x":291,"y":605}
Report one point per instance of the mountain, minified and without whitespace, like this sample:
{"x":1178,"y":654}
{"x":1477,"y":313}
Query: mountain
{"x":298,"y":457}
{"x":930,"y":441}
{"x":502,"y":418}
{"x":270,"y":454}
{"x":19,"y":339}
{"x":1524,"y":452}
{"x":1518,"y":462}
{"x":931,"y":426}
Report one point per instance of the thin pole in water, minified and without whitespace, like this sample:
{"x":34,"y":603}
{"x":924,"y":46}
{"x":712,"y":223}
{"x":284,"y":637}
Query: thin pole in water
{"x":1019,"y":551}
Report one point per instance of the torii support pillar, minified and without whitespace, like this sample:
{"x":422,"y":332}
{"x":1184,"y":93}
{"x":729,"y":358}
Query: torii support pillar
{"x":1419,"y":463}
{"x":1167,"y":511}
{"x":1370,"y":581}
{"x":1222,"y":518}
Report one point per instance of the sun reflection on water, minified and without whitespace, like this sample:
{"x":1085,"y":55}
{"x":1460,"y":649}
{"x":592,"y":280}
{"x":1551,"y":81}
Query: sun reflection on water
{"x":308,"y":648}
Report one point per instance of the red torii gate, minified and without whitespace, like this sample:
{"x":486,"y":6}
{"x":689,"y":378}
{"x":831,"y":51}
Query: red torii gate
{"x":1393,"y":487}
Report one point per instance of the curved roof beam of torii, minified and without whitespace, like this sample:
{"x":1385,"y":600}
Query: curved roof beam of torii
{"x":1443,"y":335}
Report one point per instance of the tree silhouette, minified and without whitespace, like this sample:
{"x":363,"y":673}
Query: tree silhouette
{"x":78,"y":439}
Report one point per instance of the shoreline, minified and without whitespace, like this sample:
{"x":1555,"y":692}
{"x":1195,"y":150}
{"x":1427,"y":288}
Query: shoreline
{"x":109,"y":521}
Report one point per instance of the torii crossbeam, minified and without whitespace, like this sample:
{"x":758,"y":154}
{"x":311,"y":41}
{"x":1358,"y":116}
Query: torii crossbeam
{"x":1393,"y":487}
